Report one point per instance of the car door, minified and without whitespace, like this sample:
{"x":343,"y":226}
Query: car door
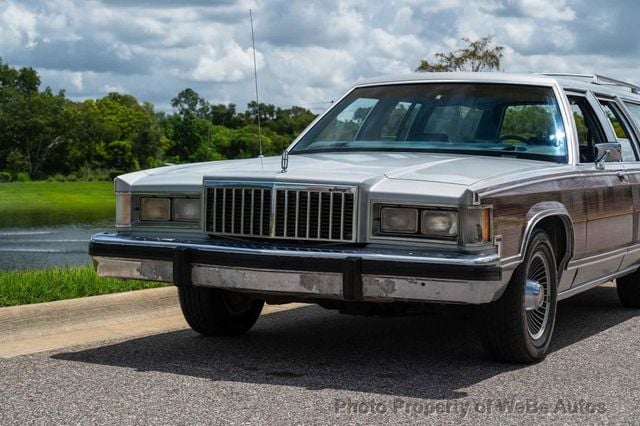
{"x":626,"y":133}
{"x":607,"y":197}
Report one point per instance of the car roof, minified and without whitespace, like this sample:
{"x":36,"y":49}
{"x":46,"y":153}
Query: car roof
{"x":579,"y":82}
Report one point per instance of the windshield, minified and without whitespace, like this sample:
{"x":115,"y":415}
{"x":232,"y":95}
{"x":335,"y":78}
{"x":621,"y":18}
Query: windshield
{"x":466,"y":118}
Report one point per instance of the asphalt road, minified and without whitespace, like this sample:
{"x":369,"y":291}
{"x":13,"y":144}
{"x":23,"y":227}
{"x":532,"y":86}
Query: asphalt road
{"x":313,"y":366}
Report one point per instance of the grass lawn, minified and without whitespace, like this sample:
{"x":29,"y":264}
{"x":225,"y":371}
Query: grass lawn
{"x":25,"y":287}
{"x":55,"y":203}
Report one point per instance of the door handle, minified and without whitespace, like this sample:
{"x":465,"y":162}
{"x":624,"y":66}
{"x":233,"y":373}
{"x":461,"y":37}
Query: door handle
{"x":622,"y":175}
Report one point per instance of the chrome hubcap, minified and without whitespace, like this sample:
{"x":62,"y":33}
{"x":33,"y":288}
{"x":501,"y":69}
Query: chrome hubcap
{"x":536,"y":296}
{"x":533,"y":295}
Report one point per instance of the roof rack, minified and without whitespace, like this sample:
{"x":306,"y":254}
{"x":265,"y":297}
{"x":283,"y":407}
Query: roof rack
{"x":599,"y":79}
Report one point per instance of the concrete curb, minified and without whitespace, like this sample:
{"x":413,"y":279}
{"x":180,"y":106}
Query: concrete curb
{"x":41,"y":327}
{"x":42,"y":319}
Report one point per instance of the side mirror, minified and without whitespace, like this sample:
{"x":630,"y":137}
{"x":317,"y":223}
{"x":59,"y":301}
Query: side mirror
{"x":607,"y":153}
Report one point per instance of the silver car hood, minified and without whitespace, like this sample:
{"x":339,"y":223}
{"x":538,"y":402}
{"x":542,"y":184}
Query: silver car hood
{"x":359,"y":168}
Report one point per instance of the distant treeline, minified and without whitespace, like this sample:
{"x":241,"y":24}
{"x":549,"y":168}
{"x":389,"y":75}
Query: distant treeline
{"x":46,"y":135}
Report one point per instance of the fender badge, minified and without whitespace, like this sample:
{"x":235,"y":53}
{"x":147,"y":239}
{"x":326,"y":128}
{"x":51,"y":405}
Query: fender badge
{"x":284,"y":161}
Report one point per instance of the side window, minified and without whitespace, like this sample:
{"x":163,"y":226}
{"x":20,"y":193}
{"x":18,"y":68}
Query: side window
{"x":620,"y":129}
{"x":634,"y":110}
{"x":589,"y":131}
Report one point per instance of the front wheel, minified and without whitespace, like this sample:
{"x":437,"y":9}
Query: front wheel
{"x":216,"y":312}
{"x":519,"y":325}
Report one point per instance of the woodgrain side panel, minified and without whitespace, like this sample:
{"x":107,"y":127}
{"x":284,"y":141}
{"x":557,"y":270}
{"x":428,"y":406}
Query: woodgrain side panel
{"x":599,"y":204}
{"x":512,"y":206}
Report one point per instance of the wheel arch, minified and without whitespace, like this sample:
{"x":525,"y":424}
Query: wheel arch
{"x":556,"y":221}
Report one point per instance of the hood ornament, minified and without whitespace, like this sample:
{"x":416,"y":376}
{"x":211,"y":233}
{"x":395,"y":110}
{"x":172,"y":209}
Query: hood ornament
{"x":284,"y":161}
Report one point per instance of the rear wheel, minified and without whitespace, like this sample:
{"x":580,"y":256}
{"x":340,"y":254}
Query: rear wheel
{"x":519,"y":325}
{"x":629,"y":290}
{"x":216,"y":312}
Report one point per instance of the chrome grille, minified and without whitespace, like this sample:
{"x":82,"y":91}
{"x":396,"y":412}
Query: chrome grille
{"x":282,"y":211}
{"x":239,"y":211}
{"x":315,"y":215}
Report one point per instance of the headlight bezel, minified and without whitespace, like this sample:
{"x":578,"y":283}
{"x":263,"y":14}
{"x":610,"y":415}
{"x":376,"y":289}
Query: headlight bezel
{"x":463,"y":215}
{"x":129,"y":206}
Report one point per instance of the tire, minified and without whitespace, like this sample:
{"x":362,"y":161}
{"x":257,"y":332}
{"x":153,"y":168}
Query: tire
{"x":513,"y":333}
{"x":216,"y":312}
{"x":629,"y":290}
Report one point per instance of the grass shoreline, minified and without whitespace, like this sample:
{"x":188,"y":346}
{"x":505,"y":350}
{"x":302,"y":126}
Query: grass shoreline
{"x":48,"y":285}
{"x":40,"y":204}
{"x":34,"y":204}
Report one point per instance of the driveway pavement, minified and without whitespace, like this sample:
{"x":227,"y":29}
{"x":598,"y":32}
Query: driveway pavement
{"x":309,"y":365}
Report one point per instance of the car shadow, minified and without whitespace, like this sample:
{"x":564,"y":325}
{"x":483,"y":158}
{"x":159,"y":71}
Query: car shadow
{"x":431,"y":356}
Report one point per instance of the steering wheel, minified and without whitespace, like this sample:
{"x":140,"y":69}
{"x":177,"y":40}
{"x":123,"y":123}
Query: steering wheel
{"x":514,"y":138}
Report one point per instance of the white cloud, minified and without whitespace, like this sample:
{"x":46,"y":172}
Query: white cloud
{"x":77,"y":81}
{"x":230,"y":63}
{"x":307,"y":52}
{"x":554,"y":10}
{"x":17,"y":26}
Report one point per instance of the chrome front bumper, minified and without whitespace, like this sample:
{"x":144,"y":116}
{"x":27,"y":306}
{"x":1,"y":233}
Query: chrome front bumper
{"x":345,"y":274}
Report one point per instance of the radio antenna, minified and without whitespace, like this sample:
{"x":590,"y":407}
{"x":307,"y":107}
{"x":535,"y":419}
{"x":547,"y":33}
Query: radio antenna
{"x":255,"y":78}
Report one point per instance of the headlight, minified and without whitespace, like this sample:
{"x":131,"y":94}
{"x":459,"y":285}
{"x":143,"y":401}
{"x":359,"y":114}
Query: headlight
{"x":156,"y":209}
{"x":439,"y":223}
{"x":417,"y":221}
{"x":399,"y":219}
{"x":186,"y":209}
{"x":123,"y":209}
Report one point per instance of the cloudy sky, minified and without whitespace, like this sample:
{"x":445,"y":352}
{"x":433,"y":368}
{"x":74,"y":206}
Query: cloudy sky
{"x":308,"y":52}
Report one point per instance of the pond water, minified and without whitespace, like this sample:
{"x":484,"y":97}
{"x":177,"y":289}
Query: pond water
{"x":45,"y":247}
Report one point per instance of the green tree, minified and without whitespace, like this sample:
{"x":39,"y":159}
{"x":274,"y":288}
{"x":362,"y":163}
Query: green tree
{"x":119,"y":156}
{"x":124,"y":118}
{"x":290,"y":121}
{"x":31,"y":125}
{"x":189,"y":102}
{"x":226,"y":115}
{"x":188,"y":135}
{"x":17,"y":163}
{"x":479,"y":55}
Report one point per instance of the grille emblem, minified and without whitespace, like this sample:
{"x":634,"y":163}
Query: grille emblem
{"x":284,"y":161}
